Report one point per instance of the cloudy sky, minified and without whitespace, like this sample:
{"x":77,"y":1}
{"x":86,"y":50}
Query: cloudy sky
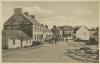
{"x":57,"y":13}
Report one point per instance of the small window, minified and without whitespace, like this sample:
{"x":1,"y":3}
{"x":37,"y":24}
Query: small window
{"x":35,"y":37}
{"x":15,"y":27}
{"x":13,"y":42}
{"x":9,"y":27}
{"x":85,"y":33}
{"x":30,"y":40}
{"x":39,"y":29}
{"x":27,"y":41}
{"x":35,"y":28}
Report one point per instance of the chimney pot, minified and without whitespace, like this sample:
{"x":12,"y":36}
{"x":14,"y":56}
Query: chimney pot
{"x":26,"y":13}
{"x":32,"y":16}
{"x":17,"y":10}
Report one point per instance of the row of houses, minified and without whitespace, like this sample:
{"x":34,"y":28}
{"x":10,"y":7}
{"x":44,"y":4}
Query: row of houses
{"x":80,"y":32}
{"x":22,"y":29}
{"x":83,"y":33}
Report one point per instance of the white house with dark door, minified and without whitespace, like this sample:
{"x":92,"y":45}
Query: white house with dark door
{"x":21,"y":29}
{"x":83,"y":33}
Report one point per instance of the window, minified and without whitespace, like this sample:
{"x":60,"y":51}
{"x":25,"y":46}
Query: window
{"x":30,"y":40}
{"x":85,"y":33}
{"x":35,"y":28}
{"x":27,"y":40}
{"x":12,"y":27}
{"x":9,"y":27}
{"x":35,"y":37}
{"x":41,"y":28}
{"x":38,"y":28}
{"x":15,"y":27}
{"x":13,"y":42}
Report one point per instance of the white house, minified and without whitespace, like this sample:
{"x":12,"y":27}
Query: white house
{"x":21,"y":30}
{"x":83,"y":33}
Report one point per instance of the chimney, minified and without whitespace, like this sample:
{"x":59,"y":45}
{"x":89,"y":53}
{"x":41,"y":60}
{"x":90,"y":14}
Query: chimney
{"x":17,"y":10}
{"x":26,"y":13}
{"x":42,"y":25}
{"x":46,"y":26}
{"x":32,"y":16}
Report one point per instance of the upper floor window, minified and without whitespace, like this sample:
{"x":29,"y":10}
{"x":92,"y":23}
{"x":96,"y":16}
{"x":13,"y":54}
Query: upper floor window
{"x":40,"y":28}
{"x":9,"y":27}
{"x":12,"y":27}
{"x":85,"y":33}
{"x":35,"y":28}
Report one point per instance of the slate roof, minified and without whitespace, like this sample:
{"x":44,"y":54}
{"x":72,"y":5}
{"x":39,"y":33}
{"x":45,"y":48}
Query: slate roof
{"x":47,"y":30}
{"x":96,"y":35}
{"x":10,"y":21}
{"x":15,"y":34}
{"x":15,"y":20}
{"x":55,"y":29}
{"x":34,"y":21}
{"x":83,"y":27}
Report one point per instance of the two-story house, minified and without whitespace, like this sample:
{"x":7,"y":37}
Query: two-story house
{"x":83,"y":33}
{"x":21,"y":29}
{"x":57,"y":32}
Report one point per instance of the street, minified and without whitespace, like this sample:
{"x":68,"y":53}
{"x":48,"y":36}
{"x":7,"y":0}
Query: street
{"x":41,"y":53}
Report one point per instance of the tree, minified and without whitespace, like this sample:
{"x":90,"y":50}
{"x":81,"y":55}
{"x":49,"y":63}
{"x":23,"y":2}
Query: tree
{"x":46,"y":26}
{"x":54,"y":28}
{"x":76,"y":28}
{"x":92,"y":29}
{"x":97,"y":28}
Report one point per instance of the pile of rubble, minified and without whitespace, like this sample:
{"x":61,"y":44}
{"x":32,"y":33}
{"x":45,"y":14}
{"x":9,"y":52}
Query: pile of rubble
{"x":84,"y":53}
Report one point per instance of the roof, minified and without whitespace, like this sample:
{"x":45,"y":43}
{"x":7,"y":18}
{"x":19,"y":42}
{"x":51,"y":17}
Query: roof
{"x":16,"y":34}
{"x":47,"y":30}
{"x":96,"y":33}
{"x":16,"y":19}
{"x":96,"y":36}
{"x":83,"y":28}
{"x":55,"y":29}
{"x":34,"y":21}
{"x":59,"y":29}
{"x":66,"y":28}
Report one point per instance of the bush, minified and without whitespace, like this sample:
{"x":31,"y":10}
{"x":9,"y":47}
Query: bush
{"x":84,"y":48}
{"x":89,"y":51}
{"x":26,"y":46}
{"x":34,"y":43}
{"x":78,"y":39}
{"x":92,"y":41}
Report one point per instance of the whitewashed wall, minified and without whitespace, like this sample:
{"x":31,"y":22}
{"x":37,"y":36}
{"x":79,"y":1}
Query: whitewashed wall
{"x":27,"y":43}
{"x":83,"y":34}
{"x":18,"y":43}
{"x":10,"y":44}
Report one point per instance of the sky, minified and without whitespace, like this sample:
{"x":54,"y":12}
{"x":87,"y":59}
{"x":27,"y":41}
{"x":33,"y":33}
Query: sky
{"x":56,"y":12}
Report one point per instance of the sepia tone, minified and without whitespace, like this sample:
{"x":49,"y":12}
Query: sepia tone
{"x":36,"y":31}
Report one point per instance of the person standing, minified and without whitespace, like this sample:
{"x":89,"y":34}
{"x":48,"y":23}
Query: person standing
{"x":54,"y":39}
